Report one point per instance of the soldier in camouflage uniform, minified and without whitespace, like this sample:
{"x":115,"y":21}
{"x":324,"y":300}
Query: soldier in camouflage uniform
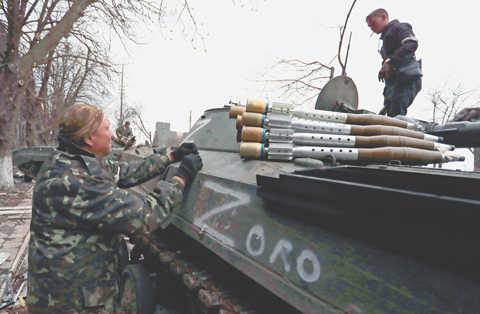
{"x":80,"y":207}
{"x":124,"y":134}
{"x":399,"y":43}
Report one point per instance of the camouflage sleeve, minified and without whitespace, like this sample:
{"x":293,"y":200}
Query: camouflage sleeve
{"x":137,"y":171}
{"x":100,"y":205}
{"x":118,"y":132}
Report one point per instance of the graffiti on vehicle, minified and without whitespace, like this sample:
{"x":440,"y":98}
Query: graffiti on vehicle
{"x":239,"y":199}
{"x":308,"y":265}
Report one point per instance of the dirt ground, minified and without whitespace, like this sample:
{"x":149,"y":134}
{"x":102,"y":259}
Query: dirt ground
{"x":13,"y":197}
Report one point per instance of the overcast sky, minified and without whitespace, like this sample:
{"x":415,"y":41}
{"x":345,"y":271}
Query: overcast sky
{"x":172,"y":77}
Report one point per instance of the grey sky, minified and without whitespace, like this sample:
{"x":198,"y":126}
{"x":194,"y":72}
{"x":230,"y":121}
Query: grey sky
{"x":171,"y":76}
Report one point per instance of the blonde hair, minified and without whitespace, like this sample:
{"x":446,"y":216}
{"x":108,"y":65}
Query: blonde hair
{"x":78,"y":122}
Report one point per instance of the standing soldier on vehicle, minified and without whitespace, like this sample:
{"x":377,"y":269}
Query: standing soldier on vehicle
{"x":81,"y":206}
{"x":399,"y":44}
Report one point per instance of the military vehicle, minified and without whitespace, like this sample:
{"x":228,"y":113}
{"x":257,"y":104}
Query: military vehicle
{"x":302,"y":235}
{"x":29,"y":160}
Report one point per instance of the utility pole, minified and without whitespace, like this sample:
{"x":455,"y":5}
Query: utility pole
{"x":190,"y":123}
{"x":121,"y":100}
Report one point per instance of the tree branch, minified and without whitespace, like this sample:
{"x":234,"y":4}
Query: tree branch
{"x":342,"y":33}
{"x":51,"y":40}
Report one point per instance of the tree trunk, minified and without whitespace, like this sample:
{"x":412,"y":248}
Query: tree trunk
{"x":9,"y":90}
{"x":50,"y":42}
{"x":6,"y":173}
{"x":13,"y":75}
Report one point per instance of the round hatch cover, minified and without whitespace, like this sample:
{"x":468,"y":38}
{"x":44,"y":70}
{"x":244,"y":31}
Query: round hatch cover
{"x":340,"y":90}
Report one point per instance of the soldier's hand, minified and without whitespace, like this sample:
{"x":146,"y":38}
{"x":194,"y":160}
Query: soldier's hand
{"x":383,"y":73}
{"x":183,"y":150}
{"x":380,"y":77}
{"x":189,"y":167}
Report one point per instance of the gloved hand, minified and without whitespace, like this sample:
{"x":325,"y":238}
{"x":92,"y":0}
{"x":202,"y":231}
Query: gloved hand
{"x":183,"y":150}
{"x":189,"y":167}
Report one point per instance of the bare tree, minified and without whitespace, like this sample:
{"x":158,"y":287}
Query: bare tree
{"x":137,"y":112}
{"x":74,"y":76}
{"x":456,"y":104}
{"x":340,"y":44}
{"x":306,"y":80}
{"x":16,"y":71}
{"x":30,"y":34}
{"x":308,"y":77}
{"x":447,"y":102}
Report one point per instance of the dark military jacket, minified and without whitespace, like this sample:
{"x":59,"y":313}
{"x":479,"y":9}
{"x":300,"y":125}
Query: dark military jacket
{"x":399,"y":41}
{"x":80,"y":207}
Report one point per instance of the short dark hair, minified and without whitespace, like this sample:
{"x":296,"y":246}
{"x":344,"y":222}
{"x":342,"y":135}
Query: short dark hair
{"x":378,"y":12}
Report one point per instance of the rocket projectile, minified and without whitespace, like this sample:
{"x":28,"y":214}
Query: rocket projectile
{"x":256,"y":134}
{"x":236,"y":111}
{"x":310,"y":126}
{"x":406,"y":155}
{"x":276,"y":108}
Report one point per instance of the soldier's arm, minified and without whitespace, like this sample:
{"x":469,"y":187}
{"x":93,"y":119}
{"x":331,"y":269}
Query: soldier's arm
{"x":100,"y":205}
{"x":408,"y":42}
{"x":137,"y":171}
{"x":118,"y":132}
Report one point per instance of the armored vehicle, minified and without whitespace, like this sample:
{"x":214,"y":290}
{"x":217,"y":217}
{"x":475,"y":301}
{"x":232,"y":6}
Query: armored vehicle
{"x":275,"y":236}
{"x":29,"y":160}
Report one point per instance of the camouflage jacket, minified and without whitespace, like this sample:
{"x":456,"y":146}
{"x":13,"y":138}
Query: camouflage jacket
{"x":123,"y":131}
{"x":80,"y":207}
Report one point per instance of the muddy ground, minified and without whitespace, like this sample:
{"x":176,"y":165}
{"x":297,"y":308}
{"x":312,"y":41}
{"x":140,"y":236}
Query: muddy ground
{"x":12,"y":198}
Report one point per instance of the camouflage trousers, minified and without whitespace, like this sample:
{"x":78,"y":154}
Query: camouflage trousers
{"x":122,"y":141}
{"x":124,"y":303}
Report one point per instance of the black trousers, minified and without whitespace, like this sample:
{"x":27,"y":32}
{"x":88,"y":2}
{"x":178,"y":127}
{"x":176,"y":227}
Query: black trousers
{"x":399,"y":96}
